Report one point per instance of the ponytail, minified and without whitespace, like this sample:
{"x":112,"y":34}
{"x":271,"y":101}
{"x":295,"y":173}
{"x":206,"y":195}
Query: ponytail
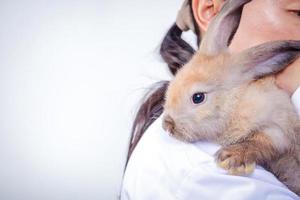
{"x":174,"y":50}
{"x":150,"y":109}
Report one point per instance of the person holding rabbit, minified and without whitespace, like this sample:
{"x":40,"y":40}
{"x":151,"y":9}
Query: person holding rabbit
{"x":161,"y":167}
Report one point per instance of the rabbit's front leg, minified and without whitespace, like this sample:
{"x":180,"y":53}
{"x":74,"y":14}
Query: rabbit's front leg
{"x":241,"y":158}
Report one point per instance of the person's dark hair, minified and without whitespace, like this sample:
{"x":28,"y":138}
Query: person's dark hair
{"x":175,"y":52}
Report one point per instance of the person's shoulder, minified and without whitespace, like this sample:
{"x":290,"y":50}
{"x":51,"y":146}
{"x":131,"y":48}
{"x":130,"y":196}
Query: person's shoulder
{"x":160,"y":157}
{"x":159,"y":149}
{"x":162,"y":167}
{"x":158,"y":165}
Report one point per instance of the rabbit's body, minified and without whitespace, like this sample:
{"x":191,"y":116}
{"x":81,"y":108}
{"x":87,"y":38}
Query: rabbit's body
{"x":260,"y":106}
{"x":232,"y":100}
{"x":253,"y":120}
{"x":287,"y":168}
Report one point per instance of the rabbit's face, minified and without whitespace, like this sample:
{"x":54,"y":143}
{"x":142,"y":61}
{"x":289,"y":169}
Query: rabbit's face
{"x":201,"y":98}
{"x":196,"y":101}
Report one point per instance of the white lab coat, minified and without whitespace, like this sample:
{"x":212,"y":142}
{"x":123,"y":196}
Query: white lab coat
{"x":163,"y":168}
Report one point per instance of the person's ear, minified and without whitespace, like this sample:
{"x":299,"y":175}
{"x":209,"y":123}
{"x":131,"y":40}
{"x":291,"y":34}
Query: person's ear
{"x":205,"y":10}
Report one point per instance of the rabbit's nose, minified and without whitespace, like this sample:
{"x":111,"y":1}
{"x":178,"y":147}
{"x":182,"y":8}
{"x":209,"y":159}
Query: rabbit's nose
{"x":168,"y":124}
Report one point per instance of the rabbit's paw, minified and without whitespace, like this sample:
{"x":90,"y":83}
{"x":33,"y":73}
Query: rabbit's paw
{"x":236,"y":160}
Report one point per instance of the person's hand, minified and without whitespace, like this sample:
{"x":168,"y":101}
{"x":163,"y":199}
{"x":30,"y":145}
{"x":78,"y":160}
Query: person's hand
{"x":289,"y":79}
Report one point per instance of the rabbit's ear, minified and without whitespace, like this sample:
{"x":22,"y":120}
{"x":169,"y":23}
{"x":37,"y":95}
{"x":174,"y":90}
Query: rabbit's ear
{"x":266,"y":59}
{"x":223,"y":27}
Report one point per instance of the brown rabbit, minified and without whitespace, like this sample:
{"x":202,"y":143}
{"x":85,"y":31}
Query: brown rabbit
{"x":232,"y":100}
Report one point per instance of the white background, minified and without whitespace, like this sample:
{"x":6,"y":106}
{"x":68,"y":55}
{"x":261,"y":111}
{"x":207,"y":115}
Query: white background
{"x":71,"y":75}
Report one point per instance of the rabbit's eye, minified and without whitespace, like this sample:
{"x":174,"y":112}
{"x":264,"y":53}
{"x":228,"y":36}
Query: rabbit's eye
{"x":198,"y":98}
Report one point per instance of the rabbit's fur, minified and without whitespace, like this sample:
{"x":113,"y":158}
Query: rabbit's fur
{"x":243,"y":110}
